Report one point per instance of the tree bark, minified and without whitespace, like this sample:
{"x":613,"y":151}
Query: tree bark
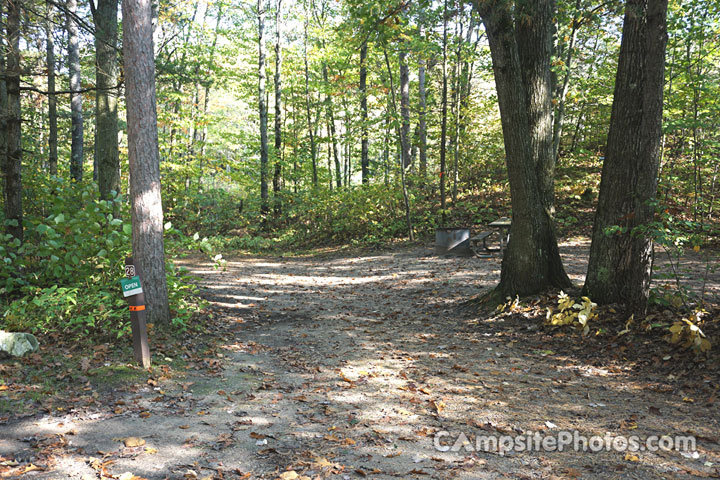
{"x":406,"y":197}
{"x":621,"y":254}
{"x":145,"y":190}
{"x":535,"y":48}
{"x":364,"y":159}
{"x":12,"y":164}
{"x":443,"y":128}
{"x":277,"y":174}
{"x":209,"y":82}
{"x":422,"y":118}
{"x":404,"y":108}
{"x":76,"y":147}
{"x":107,"y":156}
{"x":331,"y":127}
{"x":52,"y":99}
{"x":532,"y":262}
{"x":313,"y":148}
{"x":262,"y":106}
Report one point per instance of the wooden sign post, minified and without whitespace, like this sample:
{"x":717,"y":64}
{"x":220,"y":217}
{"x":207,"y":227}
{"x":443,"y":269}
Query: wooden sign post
{"x":132,"y":290}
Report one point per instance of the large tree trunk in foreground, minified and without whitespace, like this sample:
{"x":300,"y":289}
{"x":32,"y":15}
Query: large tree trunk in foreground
{"x":262,"y":105}
{"x":145,"y":196}
{"x":532,"y":262}
{"x":12,"y":162}
{"x":106,"y":120}
{"x":621,"y":258}
{"x":76,"y":147}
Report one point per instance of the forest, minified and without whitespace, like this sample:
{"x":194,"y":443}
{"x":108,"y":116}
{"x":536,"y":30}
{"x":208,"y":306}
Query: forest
{"x":278,"y":165}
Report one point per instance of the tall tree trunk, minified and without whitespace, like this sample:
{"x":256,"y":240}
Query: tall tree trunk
{"x":561,"y":89}
{"x":313,"y":148}
{"x":535,"y":48}
{"x":208,"y":82}
{"x":621,"y":259}
{"x":364,"y":159}
{"x":3,"y":95}
{"x":52,"y":99}
{"x":277,"y":174}
{"x":422,"y":117}
{"x":331,"y":127}
{"x":404,"y":108}
{"x":12,"y":164}
{"x":532,"y":260}
{"x":456,"y":104}
{"x":403,"y":182}
{"x":76,"y":148}
{"x":262,"y":105}
{"x":106,"y":115}
{"x":143,"y":155}
{"x":443,"y":128}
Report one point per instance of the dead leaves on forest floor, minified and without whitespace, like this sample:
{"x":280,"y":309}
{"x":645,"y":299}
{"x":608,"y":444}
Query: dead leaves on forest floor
{"x":347,"y":367}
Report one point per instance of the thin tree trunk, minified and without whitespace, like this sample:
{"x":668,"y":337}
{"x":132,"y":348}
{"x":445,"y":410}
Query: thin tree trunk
{"x":406,"y":197}
{"x":456,"y":107}
{"x":106,"y":117}
{"x":620,"y":262}
{"x":331,"y":127}
{"x":562,"y":90}
{"x":76,"y":149}
{"x":12,"y":163}
{"x":3,"y":97}
{"x":208,"y":82}
{"x":404,"y":108}
{"x":145,"y":191}
{"x":313,"y":149}
{"x":422,"y":120}
{"x":262,"y":105}
{"x":52,"y":99}
{"x":364,"y":159}
{"x":443,"y":128}
{"x":277,"y":174}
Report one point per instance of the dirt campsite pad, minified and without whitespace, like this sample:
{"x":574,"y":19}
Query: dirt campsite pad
{"x":370,"y":366}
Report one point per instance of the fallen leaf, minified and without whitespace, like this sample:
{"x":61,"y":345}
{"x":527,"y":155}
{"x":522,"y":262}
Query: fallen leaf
{"x":134,"y":442}
{"x":631,"y":457}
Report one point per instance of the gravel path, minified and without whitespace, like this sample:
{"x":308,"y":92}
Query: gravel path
{"x":343,"y":366}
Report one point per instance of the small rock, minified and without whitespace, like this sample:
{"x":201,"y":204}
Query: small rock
{"x":18,"y":344}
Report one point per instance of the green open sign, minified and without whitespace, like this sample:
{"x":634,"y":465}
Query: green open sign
{"x":131,"y":286}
